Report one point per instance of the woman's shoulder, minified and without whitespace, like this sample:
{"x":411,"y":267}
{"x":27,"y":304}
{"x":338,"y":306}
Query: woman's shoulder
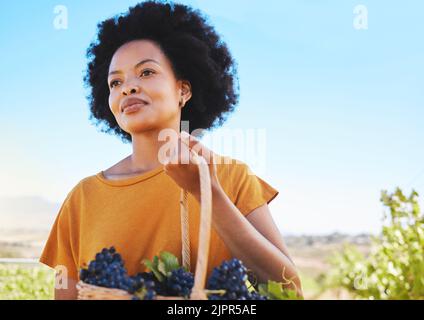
{"x":77,"y":189}
{"x":83,"y":185}
{"x":229,"y":167}
{"x":228,"y":162}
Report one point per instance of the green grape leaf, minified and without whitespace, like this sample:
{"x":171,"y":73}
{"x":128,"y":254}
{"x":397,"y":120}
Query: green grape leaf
{"x":170,"y":261}
{"x":162,"y":268}
{"x":263,"y":289}
{"x":148,"y":264}
{"x":156,"y":262}
{"x":275,"y":290}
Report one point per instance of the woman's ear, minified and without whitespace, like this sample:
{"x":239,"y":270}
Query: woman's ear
{"x":185,"y":91}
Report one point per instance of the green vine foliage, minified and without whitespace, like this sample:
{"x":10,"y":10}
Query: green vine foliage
{"x":26,"y":283}
{"x":394,"y":268}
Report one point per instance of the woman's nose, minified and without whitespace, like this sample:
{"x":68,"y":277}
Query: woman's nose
{"x":131,"y":89}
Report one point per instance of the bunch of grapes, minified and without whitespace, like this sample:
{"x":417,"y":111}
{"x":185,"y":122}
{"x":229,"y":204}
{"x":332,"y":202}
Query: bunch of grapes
{"x":179,"y":283}
{"x":107,"y":270}
{"x":231,"y":276}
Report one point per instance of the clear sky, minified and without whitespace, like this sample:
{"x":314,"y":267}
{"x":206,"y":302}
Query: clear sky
{"x":342,"y":108}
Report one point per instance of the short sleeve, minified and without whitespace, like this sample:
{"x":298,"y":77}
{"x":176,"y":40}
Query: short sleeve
{"x":251,"y":191}
{"x":60,"y":249}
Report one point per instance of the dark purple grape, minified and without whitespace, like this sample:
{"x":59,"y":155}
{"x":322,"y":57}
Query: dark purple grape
{"x":231,"y":276}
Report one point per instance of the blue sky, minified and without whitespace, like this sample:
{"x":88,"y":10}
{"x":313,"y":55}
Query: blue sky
{"x":343,"y":109}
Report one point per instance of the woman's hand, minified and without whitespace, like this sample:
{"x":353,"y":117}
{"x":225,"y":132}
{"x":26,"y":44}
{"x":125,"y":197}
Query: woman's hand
{"x":182,"y":168}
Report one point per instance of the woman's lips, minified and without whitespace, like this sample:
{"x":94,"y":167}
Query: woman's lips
{"x":133,"y":108}
{"x":130,"y":102}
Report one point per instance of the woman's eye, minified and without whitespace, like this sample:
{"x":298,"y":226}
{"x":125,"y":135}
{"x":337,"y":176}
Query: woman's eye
{"x":114,"y":83}
{"x":146,"y":71}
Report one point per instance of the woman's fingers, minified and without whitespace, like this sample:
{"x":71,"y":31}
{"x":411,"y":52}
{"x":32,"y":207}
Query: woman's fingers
{"x":180,"y":154}
{"x":182,"y":163}
{"x":186,"y":148}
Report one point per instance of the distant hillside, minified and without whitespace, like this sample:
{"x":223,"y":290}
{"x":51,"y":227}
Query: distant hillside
{"x":327,"y":239}
{"x":27,"y":212}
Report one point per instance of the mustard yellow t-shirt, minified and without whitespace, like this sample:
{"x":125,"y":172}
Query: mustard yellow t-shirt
{"x":140,"y":216}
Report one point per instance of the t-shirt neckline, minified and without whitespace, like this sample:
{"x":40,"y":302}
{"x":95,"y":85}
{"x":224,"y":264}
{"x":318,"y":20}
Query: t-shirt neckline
{"x":131,"y":180}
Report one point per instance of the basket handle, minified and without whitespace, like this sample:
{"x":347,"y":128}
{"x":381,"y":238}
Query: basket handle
{"x":197,"y":292}
{"x":185,"y":234}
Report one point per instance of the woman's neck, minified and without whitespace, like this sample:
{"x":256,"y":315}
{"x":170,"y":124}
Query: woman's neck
{"x":149,"y":150}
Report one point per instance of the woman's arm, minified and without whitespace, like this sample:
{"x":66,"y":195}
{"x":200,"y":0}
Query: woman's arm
{"x":257,"y":243}
{"x":255,"y":240}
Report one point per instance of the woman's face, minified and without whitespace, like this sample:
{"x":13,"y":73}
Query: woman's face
{"x":140,"y":70}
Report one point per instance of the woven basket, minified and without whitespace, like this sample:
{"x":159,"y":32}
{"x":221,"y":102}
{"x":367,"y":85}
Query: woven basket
{"x":91,"y":292}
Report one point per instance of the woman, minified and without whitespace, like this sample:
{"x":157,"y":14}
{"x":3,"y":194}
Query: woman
{"x":150,"y":69}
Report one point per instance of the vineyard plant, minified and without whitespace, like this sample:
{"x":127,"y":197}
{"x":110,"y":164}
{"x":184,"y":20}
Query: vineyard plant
{"x":394,"y":268}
